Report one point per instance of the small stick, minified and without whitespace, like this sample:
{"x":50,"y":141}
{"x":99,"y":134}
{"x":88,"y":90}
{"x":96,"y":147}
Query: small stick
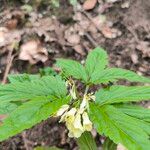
{"x":10,"y":58}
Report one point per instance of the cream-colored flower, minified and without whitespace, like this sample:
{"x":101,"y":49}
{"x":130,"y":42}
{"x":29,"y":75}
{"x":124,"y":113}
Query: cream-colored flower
{"x":62,"y":110}
{"x":75,"y":133}
{"x":77,"y":122}
{"x":69,"y":116}
{"x":84,"y":103}
{"x":87,"y":124}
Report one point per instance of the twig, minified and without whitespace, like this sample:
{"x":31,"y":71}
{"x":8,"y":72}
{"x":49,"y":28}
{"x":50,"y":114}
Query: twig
{"x":10,"y":58}
{"x":90,"y":38}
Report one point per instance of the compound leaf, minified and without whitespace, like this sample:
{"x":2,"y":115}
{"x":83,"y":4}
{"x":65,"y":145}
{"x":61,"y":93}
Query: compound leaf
{"x":86,"y":142}
{"x":13,"y":78}
{"x":72,"y":68}
{"x":135,"y":111}
{"x":7,"y":107}
{"x":28,"y":115}
{"x":117,"y":94}
{"x":48,"y":85}
{"x":119,"y":127}
{"x":114,"y":74}
{"x":96,"y":61}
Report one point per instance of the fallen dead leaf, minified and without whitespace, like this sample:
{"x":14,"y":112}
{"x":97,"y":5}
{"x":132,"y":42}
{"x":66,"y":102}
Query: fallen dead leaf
{"x":99,"y":20}
{"x":79,"y":49}
{"x":33,"y":52}
{"x":3,"y":32}
{"x":144,"y":47}
{"x":110,"y":32}
{"x":89,"y":4}
{"x":11,"y":24}
{"x":72,"y":37}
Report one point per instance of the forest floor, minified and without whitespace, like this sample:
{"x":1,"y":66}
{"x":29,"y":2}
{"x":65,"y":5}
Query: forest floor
{"x":33,"y":35}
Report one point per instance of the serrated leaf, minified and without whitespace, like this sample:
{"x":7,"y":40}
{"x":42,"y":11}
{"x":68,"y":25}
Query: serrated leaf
{"x":86,"y":142}
{"x":117,"y":94}
{"x":47,"y":71}
{"x":109,"y":145}
{"x":114,"y":74}
{"x":72,"y":68}
{"x":48,"y":85}
{"x":135,"y":111}
{"x":7,"y":107}
{"x":13,"y":78}
{"x":96,"y":61}
{"x":119,"y":127}
{"x":29,"y":114}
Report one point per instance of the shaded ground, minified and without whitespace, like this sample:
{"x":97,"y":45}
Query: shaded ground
{"x":122,"y":28}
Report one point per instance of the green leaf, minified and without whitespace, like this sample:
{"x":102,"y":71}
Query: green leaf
{"x":96,"y":61}
{"x":47,"y":85}
{"x":117,"y":94}
{"x":47,"y":71}
{"x":72,"y":68}
{"x":119,"y":127}
{"x":13,"y":78}
{"x":86,"y":142}
{"x":28,"y":115}
{"x":114,"y":74}
{"x":7,"y":107}
{"x":109,"y":145}
{"x":135,"y":111}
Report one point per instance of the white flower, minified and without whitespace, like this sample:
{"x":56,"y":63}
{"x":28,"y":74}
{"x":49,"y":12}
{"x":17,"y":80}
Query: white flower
{"x":87,"y":124}
{"x":62,"y":110}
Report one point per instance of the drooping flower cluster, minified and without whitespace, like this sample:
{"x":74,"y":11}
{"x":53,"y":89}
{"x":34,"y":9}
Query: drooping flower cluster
{"x":76,"y":119}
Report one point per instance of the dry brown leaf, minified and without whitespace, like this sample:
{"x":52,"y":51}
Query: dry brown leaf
{"x":144,"y":47}
{"x":11,"y":24}
{"x":3,"y":32}
{"x":79,"y":49}
{"x":8,"y":37}
{"x":89,"y":4}
{"x":33,"y":52}
{"x":99,"y":20}
{"x":72,"y":37}
{"x":110,"y":32}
